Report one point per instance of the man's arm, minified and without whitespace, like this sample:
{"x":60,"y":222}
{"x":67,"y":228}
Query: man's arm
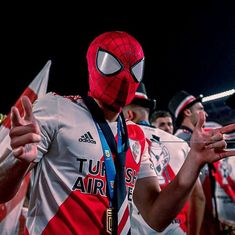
{"x":197,"y":203}
{"x":15,"y":164}
{"x":160,"y":208}
{"x":12,"y":172}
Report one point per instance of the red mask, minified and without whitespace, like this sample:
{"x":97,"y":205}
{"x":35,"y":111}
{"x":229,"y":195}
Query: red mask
{"x":115,"y":66}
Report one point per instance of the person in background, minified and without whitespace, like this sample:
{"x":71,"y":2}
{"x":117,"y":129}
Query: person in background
{"x":185,"y":109}
{"x":224,"y":186}
{"x":168,"y":153}
{"x":162,"y":119}
{"x":89,"y":164}
{"x":224,"y":181}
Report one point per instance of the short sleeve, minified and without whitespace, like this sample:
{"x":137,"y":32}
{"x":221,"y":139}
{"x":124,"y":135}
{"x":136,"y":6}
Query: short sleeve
{"x":146,"y":165}
{"x":46,"y":113}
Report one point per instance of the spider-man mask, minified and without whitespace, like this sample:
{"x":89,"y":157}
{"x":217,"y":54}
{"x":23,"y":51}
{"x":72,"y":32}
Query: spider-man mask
{"x":115,"y":66}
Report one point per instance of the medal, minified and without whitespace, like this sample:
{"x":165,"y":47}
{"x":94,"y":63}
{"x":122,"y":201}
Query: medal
{"x":109,"y":220}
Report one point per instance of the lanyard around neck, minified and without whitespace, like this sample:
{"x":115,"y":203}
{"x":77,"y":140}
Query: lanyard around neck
{"x":108,"y":158}
{"x":108,"y":142}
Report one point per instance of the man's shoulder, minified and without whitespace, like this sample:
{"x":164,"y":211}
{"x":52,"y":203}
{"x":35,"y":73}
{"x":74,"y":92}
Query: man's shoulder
{"x":53,"y":101}
{"x":167,"y":136}
{"x":56,"y":96}
{"x":73,"y":98}
{"x":183,"y":134}
{"x":134,"y":130}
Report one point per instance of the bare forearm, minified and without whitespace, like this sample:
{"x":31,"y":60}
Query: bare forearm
{"x":196,"y":209}
{"x":164,"y":206}
{"x":195,"y":218}
{"x":12,"y":172}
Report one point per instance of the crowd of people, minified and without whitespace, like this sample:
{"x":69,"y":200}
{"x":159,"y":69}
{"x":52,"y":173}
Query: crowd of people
{"x":110,"y":162}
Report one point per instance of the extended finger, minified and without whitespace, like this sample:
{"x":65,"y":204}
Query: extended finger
{"x":226,"y":129}
{"x":15,"y":117}
{"x":27,"y":106}
{"x":226,"y":153}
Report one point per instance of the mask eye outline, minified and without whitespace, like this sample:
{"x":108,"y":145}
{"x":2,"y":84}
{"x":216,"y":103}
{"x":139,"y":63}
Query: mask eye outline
{"x":103,"y":57}
{"x":138,"y":63}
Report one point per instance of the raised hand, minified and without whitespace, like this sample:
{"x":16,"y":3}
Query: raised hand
{"x":210,"y":145}
{"x":24,"y":133}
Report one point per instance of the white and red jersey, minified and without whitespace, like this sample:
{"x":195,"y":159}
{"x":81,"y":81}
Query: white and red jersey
{"x":225,"y":189}
{"x":69,"y":194}
{"x":168,"y":153}
{"x":224,"y":175}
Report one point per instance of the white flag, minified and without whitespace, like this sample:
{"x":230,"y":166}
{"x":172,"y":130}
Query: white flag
{"x":10,"y":211}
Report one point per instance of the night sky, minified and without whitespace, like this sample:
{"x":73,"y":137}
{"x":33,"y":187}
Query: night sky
{"x":190,"y":47}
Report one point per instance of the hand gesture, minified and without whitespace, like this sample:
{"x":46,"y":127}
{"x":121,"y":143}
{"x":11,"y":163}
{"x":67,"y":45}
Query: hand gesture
{"x":24,"y":133}
{"x":210,"y":145}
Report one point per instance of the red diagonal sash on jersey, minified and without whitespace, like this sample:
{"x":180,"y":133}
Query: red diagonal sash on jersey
{"x":124,"y":218}
{"x":36,"y":89}
{"x":169,"y":175}
{"x":229,"y":186}
{"x":6,"y":208}
{"x":231,"y":183}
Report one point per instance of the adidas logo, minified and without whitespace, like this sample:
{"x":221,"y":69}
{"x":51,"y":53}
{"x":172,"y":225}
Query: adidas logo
{"x":87,"y":138}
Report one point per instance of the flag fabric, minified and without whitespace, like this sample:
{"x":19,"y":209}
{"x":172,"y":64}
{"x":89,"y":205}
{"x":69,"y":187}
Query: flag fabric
{"x":10,"y":212}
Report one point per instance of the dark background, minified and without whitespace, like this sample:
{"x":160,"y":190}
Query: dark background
{"x":190,"y":47}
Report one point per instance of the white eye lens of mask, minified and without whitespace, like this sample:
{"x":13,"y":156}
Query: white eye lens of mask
{"x":137,"y":70}
{"x":107,"y":63}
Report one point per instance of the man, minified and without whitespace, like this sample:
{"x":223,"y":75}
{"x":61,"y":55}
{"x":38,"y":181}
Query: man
{"x":185,"y":108}
{"x":168,"y":153}
{"x":82,"y":176}
{"x":163,"y":120}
